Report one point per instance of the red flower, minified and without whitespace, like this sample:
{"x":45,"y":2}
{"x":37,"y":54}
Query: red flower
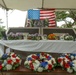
{"x":63,"y":62}
{"x":17,"y":60}
{"x":67,"y":65}
{"x":67,"y":57}
{"x":34,"y":57}
{"x":31,"y":66}
{"x":47,"y":56}
{"x":9,"y":61}
{"x":0,"y":67}
{"x":49,"y":66}
{"x":14,"y":55}
{"x":42,"y":53}
{"x":59,"y":60}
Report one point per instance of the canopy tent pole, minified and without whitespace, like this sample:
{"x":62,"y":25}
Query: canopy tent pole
{"x":2,"y":6}
{"x":6,"y":13}
{"x":7,"y":19}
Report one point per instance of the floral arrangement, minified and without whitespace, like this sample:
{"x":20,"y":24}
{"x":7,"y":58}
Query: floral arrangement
{"x":35,"y":36}
{"x":9,"y":61}
{"x":68,"y":37}
{"x":72,"y":56}
{"x":68,"y":62}
{"x":14,"y":36}
{"x":73,"y":63}
{"x":40,"y":62}
{"x":65,"y":62}
{"x":52,"y":37}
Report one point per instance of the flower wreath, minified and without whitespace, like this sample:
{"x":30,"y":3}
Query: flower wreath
{"x":40,"y":62}
{"x":68,"y":62}
{"x":9,"y":61}
{"x":73,"y":63}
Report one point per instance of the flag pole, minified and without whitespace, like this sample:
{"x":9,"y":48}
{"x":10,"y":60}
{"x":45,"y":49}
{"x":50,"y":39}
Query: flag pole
{"x":42,"y":4}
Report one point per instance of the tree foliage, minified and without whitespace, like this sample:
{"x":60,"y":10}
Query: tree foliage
{"x":2,"y":28}
{"x":62,"y":15}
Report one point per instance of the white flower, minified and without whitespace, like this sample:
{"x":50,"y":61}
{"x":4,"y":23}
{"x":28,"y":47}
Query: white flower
{"x":74,"y":68}
{"x":49,"y":62}
{"x":12,"y":53}
{"x":5,"y":62}
{"x":13,"y":59}
{"x":53,"y":59}
{"x":66,"y":60}
{"x":72,"y":57}
{"x":46,"y":67}
{"x":36,"y":64}
{"x":42,"y":57}
{"x":29,"y":62}
{"x":74,"y":65}
{"x":74,"y":61}
{"x":0,"y":56}
{"x":17,"y":57}
{"x":66,"y":37}
{"x":3,"y":65}
{"x":61,"y":63}
{"x":26,"y":62}
{"x":8,"y":67}
{"x":69,"y":70}
{"x":49,"y":55}
{"x":30,"y":56}
{"x":40,"y":69}
{"x":61,"y":37}
{"x":46,"y":60}
{"x":75,"y":57}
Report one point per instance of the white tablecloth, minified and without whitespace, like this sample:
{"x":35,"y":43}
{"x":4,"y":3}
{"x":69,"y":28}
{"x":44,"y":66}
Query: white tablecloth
{"x":55,"y":46}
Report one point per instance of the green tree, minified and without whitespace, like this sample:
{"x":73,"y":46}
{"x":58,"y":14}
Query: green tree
{"x":73,"y":16}
{"x":62,"y":15}
{"x":2,"y":28}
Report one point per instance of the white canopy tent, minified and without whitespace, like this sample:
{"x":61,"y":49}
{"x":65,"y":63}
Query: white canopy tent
{"x":32,"y":4}
{"x":24,"y":5}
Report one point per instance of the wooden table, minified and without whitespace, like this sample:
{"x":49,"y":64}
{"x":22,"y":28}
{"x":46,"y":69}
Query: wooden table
{"x":21,"y":70}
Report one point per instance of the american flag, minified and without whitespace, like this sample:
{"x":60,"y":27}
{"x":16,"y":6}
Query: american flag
{"x":42,"y":15}
{"x":50,"y":15}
